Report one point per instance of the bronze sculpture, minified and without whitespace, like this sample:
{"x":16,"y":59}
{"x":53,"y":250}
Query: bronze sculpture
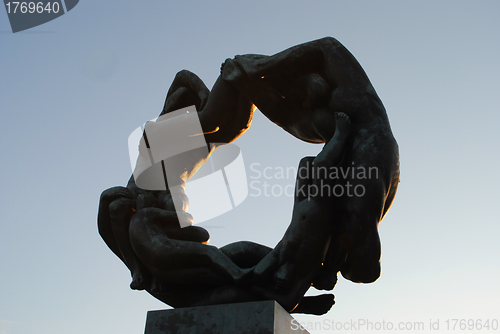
{"x":317,"y":92}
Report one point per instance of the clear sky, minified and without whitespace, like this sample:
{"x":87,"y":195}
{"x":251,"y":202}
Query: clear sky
{"x":73,"y":89}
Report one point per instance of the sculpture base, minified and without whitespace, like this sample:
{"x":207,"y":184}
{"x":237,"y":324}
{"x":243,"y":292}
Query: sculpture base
{"x":264,"y":317}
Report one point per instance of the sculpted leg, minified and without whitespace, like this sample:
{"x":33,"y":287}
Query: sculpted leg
{"x":362,"y":263}
{"x":245,"y":254}
{"x":325,"y":56}
{"x":269,"y":102}
{"x":187,"y":89}
{"x":333,"y":151}
{"x":331,"y":156}
{"x":183,"y":97}
{"x":293,"y":61}
{"x":103,"y":219}
{"x":224,"y":113}
{"x":120,"y":215}
{"x":183,"y":261}
{"x":227,"y":114}
{"x":303,"y":248}
{"x":115,"y":212}
{"x":308,"y":237}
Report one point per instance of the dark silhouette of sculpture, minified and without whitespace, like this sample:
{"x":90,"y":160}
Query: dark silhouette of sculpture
{"x":182,"y":270}
{"x":319,"y":93}
{"x":301,"y":89}
{"x":119,"y":204}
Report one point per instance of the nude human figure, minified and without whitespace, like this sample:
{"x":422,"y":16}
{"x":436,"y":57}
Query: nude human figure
{"x":173,"y":264}
{"x":301,"y":89}
{"x":194,"y":274}
{"x":182,"y":270}
{"x":297,"y":261}
{"x":190,"y":273}
{"x":118,"y":205}
{"x":224,"y":115}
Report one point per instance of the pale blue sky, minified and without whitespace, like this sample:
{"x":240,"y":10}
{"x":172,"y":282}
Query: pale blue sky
{"x":73,"y":89}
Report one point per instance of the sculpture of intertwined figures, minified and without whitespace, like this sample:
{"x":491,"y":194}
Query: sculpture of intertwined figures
{"x":317,"y":92}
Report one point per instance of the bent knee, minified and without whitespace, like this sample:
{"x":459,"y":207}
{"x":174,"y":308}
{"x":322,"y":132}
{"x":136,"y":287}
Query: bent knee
{"x":183,"y":74}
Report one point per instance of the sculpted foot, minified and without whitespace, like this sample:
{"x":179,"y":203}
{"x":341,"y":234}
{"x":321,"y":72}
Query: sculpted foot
{"x":231,"y":71}
{"x":334,"y":149}
{"x":317,"y":305}
{"x":326,"y":279}
{"x":248,"y":64}
{"x":140,"y":279}
{"x":343,"y":123}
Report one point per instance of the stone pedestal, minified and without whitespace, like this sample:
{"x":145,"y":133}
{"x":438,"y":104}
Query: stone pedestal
{"x":264,"y":317}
